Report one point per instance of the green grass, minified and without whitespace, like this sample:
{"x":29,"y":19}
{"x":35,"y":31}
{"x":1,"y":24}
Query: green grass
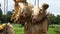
{"x":51,"y":31}
{"x":18,"y":29}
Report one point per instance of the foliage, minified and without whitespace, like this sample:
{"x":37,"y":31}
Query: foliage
{"x":54,"y":19}
{"x":0,"y":12}
{"x":58,"y":19}
{"x":7,"y":17}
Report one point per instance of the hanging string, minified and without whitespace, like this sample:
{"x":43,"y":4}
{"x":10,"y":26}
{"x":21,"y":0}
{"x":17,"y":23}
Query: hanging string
{"x":38,"y":3}
{"x":35,"y":2}
{"x":7,"y":6}
{"x":4,"y":7}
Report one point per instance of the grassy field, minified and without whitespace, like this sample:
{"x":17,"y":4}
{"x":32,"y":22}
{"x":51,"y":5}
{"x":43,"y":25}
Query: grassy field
{"x":18,"y":29}
{"x":55,"y":29}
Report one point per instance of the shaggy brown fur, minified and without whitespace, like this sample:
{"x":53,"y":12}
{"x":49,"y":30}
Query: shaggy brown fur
{"x":40,"y":20}
{"x":40,"y":25}
{"x":35,"y":20}
{"x":18,"y":10}
{"x":24,"y":17}
{"x":7,"y":29}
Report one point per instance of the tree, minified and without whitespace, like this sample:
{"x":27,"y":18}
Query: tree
{"x":58,"y":19}
{"x":8,"y":16}
{"x":52,"y":19}
{"x":0,"y":14}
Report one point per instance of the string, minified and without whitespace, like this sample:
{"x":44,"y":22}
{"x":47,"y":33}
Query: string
{"x":35,"y":2}
{"x":38,"y":3}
